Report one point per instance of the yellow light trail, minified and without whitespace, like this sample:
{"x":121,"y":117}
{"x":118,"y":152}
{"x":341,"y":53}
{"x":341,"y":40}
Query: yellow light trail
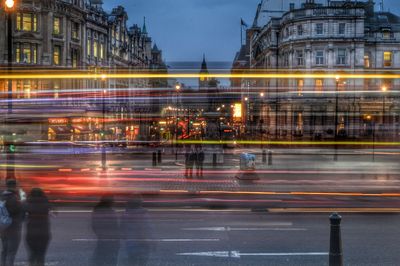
{"x":303,"y":193}
{"x":56,"y":75}
{"x":272,"y":142}
{"x":26,"y":166}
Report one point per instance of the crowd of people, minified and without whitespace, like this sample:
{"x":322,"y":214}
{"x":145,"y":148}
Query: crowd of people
{"x":14,"y":211}
{"x":194,"y":157}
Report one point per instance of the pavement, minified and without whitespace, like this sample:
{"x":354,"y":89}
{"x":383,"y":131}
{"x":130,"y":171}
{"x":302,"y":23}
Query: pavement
{"x":233,"y":237}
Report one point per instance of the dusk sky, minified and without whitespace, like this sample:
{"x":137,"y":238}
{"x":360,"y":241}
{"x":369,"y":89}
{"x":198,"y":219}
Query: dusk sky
{"x":185,"y":29}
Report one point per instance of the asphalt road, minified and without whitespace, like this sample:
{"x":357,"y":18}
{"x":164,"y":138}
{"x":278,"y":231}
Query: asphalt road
{"x":234,"y":237}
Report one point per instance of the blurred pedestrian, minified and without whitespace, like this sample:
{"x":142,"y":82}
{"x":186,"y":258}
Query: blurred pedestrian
{"x":199,"y":161}
{"x":192,"y":160}
{"x":187,"y":155}
{"x":38,"y":234}
{"x":105,"y":225}
{"x":136,"y":230}
{"x":11,"y":236}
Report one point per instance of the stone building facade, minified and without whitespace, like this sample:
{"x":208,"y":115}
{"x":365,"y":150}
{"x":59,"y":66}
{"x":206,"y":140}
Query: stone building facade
{"x":79,"y":35}
{"x":334,"y":38}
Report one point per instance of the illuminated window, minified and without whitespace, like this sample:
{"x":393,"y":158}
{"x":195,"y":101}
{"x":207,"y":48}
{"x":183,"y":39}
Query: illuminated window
{"x":56,"y":26}
{"x":95,"y":44}
{"x":319,"y":84}
{"x":300,"y":87}
{"x":89,"y":47}
{"x":26,"y":54}
{"x":387,"y":59}
{"x":367,"y":63}
{"x":57,"y":55}
{"x":74,"y":58}
{"x":18,"y":54}
{"x":101,"y":51}
{"x":34,"y":48}
{"x":26,"y":22}
{"x":319,"y":57}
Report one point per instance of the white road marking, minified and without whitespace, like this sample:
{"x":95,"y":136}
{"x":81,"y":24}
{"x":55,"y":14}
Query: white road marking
{"x":237,"y":254}
{"x":150,"y":240}
{"x":227,"y":228}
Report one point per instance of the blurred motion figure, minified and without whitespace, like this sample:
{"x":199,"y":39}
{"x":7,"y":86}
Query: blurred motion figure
{"x":136,"y":231}
{"x":11,"y":236}
{"x":38,"y":234}
{"x":105,"y":225}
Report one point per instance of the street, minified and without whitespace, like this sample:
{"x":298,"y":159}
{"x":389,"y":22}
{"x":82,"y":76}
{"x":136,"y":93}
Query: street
{"x":235,"y":237}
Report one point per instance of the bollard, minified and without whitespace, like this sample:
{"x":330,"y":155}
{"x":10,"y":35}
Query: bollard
{"x":154,"y":158}
{"x":269,"y":158}
{"x":335,"y":249}
{"x":214,"y":159}
{"x":264,"y":156}
{"x":159,"y":156}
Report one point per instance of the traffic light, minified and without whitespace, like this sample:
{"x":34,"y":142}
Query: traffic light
{"x":11,"y":148}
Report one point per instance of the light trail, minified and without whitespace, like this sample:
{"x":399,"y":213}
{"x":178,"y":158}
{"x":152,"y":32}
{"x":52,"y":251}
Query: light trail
{"x":270,"y":75}
{"x":272,"y":142}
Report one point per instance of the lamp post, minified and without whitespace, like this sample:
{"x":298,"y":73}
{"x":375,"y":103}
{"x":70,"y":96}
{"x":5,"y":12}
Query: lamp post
{"x":103,"y":147}
{"x":335,"y":158}
{"x":10,"y":148}
{"x":177,"y":89}
{"x":383,"y":89}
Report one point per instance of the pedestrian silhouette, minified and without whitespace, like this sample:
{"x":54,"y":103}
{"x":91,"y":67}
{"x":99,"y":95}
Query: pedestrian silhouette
{"x":105,"y":225}
{"x":199,"y":161}
{"x":11,"y":236}
{"x":187,"y":156}
{"x":37,"y":208}
{"x":137,"y":233}
{"x":191,"y":161}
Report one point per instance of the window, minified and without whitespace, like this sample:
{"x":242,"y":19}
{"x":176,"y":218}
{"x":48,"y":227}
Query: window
{"x":26,"y":22}
{"x":342,"y":28}
{"x":300,"y":57}
{"x":18,"y":54}
{"x":101,"y":51}
{"x":26,"y":53}
{"x":341,"y":57}
{"x":89,"y":47}
{"x":319,"y":83}
{"x":319,"y":28}
{"x":367,"y":63}
{"x":387,"y":59}
{"x":75,"y":30}
{"x":56,"y":26}
{"x":56,"y":55}
{"x":74,"y":55}
{"x":319,"y":57}
{"x":386,"y":34}
{"x":300,"y":87}
{"x":300,"y":30}
{"x":95,"y":43}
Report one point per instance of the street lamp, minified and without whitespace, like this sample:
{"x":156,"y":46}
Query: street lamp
{"x":103,"y":147}
{"x":336,"y":117}
{"x":177,"y":89}
{"x":384,"y":89}
{"x":9,"y":7}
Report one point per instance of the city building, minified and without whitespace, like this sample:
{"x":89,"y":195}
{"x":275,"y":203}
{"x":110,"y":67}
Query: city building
{"x":79,"y":35}
{"x":332,"y":38}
